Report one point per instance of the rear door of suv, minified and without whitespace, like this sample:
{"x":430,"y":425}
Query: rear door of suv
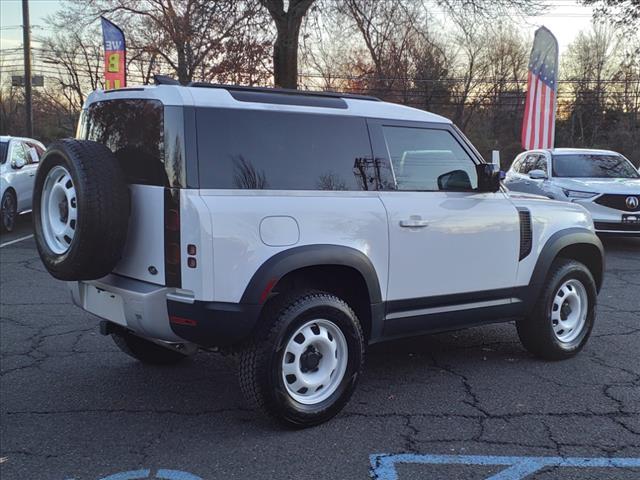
{"x":452,"y":248}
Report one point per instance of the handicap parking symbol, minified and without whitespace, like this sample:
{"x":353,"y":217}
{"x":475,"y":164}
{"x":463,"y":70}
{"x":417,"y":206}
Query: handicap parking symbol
{"x":383,"y":466}
{"x":146,"y":474}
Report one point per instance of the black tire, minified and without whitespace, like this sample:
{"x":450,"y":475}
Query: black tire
{"x":146,"y":351}
{"x":102,"y":202}
{"x":8,"y":210}
{"x":260,"y":364}
{"x":536,"y":331}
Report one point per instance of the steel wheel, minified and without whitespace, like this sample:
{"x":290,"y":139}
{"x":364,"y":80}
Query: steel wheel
{"x":59,"y":210}
{"x":8,"y":211}
{"x":569,"y":310}
{"x":314,"y":361}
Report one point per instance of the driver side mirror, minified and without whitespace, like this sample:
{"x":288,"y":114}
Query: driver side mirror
{"x":18,"y":164}
{"x":489,"y":176}
{"x":537,"y":175}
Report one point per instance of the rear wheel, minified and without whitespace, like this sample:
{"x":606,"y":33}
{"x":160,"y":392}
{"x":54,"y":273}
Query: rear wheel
{"x":563,"y":318}
{"x":146,"y":351}
{"x":8,"y":211}
{"x":303,"y":366}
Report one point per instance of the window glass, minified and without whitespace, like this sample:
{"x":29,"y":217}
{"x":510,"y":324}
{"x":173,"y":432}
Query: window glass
{"x":4,"y":146}
{"x":541,"y":163}
{"x":593,"y":166}
{"x":18,"y":154}
{"x":516,"y":165}
{"x":39,"y":151}
{"x":429,"y":160}
{"x":134,"y":131}
{"x":250,"y":149}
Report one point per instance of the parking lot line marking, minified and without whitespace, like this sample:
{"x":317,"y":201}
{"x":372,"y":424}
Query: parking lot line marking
{"x":383,"y":466}
{"x":6,"y":244}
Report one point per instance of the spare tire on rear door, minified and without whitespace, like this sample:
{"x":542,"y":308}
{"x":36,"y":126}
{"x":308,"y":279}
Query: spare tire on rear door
{"x":80,"y":210}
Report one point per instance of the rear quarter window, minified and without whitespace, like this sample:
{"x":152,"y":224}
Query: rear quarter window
{"x":266,"y":150}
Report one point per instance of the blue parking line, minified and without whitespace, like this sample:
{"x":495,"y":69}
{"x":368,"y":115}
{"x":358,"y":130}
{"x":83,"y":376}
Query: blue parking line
{"x":383,"y":466}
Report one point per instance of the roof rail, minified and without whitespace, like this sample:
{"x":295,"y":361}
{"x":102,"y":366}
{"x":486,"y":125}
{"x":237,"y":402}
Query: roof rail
{"x":164,"y":80}
{"x":283,"y":91}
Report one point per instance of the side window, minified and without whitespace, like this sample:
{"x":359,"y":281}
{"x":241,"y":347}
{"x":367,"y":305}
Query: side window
{"x":35,"y":152}
{"x":528,"y":164}
{"x":262,"y":150}
{"x":18,"y":154}
{"x":517,"y":165}
{"x":429,"y":160}
{"x":541,"y":164}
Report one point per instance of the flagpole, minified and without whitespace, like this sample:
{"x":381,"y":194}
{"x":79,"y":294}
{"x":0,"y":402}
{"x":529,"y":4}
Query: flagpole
{"x":26,"y":40}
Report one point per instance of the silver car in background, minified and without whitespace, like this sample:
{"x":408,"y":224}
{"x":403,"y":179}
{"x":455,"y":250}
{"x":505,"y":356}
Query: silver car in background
{"x":604,"y":182}
{"x":19,"y":159}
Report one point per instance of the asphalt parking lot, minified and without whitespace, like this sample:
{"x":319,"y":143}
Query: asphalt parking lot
{"x":453,"y":405}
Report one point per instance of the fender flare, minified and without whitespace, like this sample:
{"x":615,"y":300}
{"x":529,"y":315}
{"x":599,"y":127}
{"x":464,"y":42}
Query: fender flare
{"x":286,"y":261}
{"x":552,"y":247}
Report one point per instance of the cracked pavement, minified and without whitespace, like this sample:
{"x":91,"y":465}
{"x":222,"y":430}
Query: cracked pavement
{"x":75,"y":407}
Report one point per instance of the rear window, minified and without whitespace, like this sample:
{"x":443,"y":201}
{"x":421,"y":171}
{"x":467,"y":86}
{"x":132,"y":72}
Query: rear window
{"x":593,"y":166}
{"x":249,"y":149}
{"x":134,"y":131}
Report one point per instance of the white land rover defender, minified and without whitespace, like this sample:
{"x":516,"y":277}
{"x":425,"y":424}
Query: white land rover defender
{"x":295,"y":228}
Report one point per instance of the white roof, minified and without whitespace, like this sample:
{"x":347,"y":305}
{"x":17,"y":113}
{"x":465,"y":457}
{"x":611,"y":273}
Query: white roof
{"x":6,"y":138}
{"x":221,"y":98}
{"x":576,"y":151}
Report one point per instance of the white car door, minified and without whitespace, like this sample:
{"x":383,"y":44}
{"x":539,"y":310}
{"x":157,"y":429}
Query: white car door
{"x":451,"y":246}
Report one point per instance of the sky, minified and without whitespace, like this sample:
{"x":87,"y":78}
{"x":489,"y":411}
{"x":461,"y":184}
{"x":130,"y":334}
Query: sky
{"x":565,"y":18}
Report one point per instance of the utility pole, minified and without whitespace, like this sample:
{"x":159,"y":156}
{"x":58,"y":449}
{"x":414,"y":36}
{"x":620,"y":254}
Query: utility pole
{"x":26,"y":40}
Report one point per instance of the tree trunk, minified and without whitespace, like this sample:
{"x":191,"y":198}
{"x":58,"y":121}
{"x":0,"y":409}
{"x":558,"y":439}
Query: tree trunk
{"x":285,"y":53}
{"x":285,"y":48}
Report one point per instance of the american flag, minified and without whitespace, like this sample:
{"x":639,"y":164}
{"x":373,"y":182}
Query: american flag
{"x":539,"y":122}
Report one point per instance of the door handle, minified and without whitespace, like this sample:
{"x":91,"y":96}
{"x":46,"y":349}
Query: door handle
{"x":414,"y":222}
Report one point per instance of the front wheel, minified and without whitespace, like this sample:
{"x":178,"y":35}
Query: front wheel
{"x":563,"y":317}
{"x":303,"y":366}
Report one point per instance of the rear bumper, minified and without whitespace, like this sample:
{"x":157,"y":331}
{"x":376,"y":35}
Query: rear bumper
{"x":212,"y":324}
{"x":162,"y":313}
{"x":135,"y":305}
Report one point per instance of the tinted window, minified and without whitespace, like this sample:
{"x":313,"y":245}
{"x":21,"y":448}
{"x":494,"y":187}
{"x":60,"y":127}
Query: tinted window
{"x":429,"y":159}
{"x":593,"y":166}
{"x":250,"y":149}
{"x":4,"y":146}
{"x":134,"y":131}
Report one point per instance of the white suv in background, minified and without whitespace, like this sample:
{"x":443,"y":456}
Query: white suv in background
{"x":604,"y":182}
{"x":19,"y":159}
{"x":296,"y":228}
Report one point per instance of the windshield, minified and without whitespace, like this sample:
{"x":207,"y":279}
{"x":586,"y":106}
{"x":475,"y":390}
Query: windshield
{"x":593,"y":166}
{"x":4,"y":146}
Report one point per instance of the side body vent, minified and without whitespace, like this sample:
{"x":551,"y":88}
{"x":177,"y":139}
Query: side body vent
{"x":526,"y":235}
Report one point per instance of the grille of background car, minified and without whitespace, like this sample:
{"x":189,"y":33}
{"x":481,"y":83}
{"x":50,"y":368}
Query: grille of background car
{"x":617,"y":201}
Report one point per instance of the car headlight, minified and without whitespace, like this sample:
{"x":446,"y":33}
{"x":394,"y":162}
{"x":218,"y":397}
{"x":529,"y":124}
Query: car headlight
{"x":578,"y":194}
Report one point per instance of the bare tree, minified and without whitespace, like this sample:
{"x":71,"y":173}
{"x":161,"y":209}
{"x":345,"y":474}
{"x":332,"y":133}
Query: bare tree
{"x":185,"y":33}
{"x":624,"y":13}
